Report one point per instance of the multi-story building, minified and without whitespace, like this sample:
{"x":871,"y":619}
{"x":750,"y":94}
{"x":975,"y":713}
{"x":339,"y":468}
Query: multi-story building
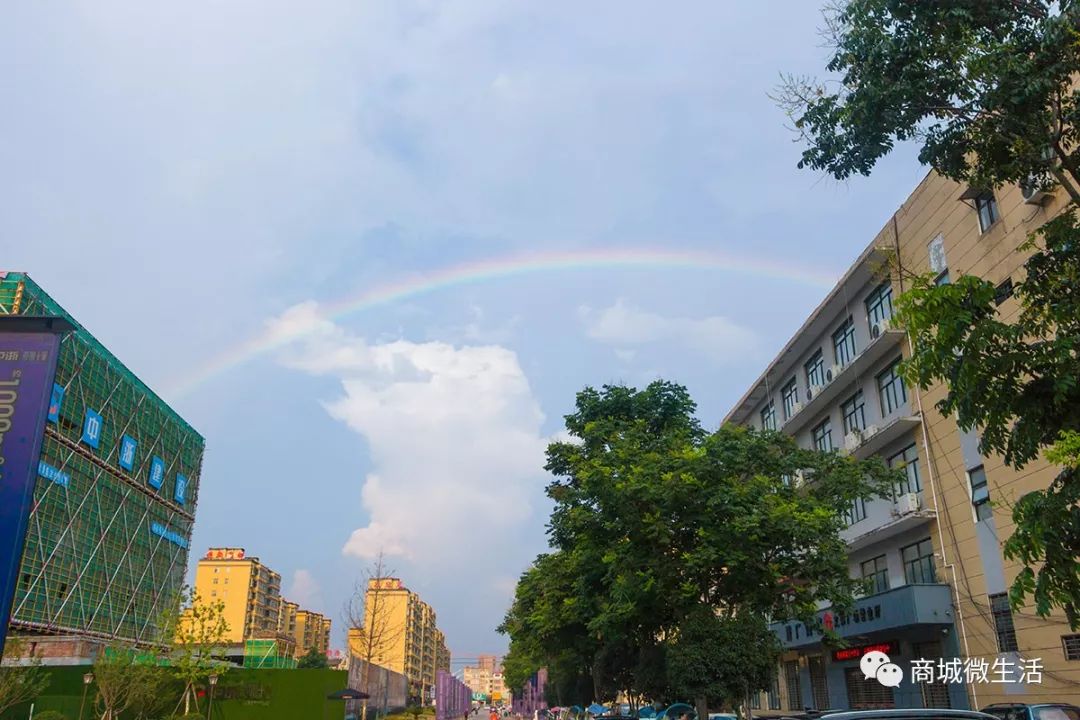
{"x":487,"y":662}
{"x":312,"y":632}
{"x":287,"y":618}
{"x":114,"y":503}
{"x":251,"y":595}
{"x":486,"y":680}
{"x":407,"y":639}
{"x":932,"y":551}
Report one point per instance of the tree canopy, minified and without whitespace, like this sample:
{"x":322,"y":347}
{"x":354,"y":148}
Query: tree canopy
{"x":655,"y":518}
{"x":985,"y":87}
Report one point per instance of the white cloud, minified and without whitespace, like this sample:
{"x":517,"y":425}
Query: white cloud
{"x":624,"y":326}
{"x":453,"y":432}
{"x":305,"y":590}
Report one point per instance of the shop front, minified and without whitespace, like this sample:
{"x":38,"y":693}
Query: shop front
{"x":911,"y":622}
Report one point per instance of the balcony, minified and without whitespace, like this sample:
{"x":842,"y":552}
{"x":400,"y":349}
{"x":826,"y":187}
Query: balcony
{"x":890,"y":610}
{"x":883,"y":435}
{"x":885,"y":343}
{"x":899,"y":522}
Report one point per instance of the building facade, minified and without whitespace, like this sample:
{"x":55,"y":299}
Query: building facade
{"x":407,"y":640}
{"x":114,"y":502}
{"x":486,"y":680}
{"x":312,"y":632}
{"x":265,"y":629}
{"x":932,"y":552}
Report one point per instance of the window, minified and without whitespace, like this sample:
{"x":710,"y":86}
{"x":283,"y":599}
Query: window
{"x":819,"y":685}
{"x":919,"y":562}
{"x":980,"y":493}
{"x":1003,"y":622}
{"x":891,"y":389}
{"x":793,"y":684}
{"x":789,"y":395}
{"x":1003,"y":291}
{"x":755,"y":700}
{"x":856,"y":513}
{"x":854,"y":412}
{"x":815,"y":370}
{"x":936,"y":251}
{"x":774,"y":693}
{"x":942,"y":279}
{"x":823,"y":436}
{"x":843,"y":341}
{"x":768,"y":417}
{"x":986,"y":206}
{"x":908,"y":460}
{"x":879,"y":305}
{"x":866,"y":694}
{"x":215,"y":581}
{"x":876,"y":571}
{"x":1070,"y":645}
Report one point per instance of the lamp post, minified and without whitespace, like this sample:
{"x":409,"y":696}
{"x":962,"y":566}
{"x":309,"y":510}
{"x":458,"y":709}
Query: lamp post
{"x":86,"y":680}
{"x":210,"y":705}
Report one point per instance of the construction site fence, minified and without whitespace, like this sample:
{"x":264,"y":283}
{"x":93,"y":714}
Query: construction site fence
{"x":240,"y":694}
{"x":389,"y":690}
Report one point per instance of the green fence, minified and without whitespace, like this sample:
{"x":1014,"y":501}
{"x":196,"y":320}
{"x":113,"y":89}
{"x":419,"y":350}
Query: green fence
{"x":239,"y":695}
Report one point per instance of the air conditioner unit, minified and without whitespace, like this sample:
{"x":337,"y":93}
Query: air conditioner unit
{"x":813,"y":391}
{"x":800,"y":479}
{"x":1031,"y":190}
{"x":875,"y":330}
{"x":907,"y":503}
{"x":869,"y":431}
{"x":834,"y":372}
{"x":796,"y":408}
{"x":852,"y":440}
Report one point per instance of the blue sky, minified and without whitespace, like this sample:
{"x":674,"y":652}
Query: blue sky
{"x":186,"y":177}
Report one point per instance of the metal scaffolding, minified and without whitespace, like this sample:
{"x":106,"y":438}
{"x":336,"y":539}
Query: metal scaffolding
{"x":107,"y":543}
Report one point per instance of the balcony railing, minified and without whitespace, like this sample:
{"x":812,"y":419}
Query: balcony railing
{"x":904,"y":606}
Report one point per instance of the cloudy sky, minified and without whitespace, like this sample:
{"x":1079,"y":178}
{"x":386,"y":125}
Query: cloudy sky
{"x":372,"y":249}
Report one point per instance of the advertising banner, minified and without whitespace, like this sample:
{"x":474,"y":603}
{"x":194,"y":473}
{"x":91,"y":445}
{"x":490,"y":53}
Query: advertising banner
{"x":28,"y":352}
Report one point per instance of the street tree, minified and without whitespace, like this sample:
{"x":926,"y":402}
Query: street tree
{"x":198,"y":632}
{"x":654,"y":519}
{"x":312,"y":659}
{"x":23,"y":682}
{"x":372,"y":626}
{"x":130,"y":682}
{"x":987,"y":89}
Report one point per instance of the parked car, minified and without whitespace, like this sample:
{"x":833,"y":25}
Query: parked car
{"x":1033,"y":711}
{"x":908,"y":714}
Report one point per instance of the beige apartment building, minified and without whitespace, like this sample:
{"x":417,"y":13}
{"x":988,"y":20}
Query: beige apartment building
{"x":410,"y":642}
{"x":932,"y":552}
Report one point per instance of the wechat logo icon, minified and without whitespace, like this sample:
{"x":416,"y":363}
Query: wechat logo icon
{"x":876,"y":664}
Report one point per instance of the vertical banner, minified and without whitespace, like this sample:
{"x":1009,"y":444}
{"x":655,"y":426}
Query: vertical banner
{"x":28,"y":352}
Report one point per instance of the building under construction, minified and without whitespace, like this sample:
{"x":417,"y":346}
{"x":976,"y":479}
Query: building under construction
{"x":114,"y":502}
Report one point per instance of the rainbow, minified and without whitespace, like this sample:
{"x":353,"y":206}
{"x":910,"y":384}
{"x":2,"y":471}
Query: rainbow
{"x":504,"y":267}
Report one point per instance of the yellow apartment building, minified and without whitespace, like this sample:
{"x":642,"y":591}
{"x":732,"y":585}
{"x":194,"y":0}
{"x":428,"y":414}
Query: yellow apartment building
{"x":312,"y":630}
{"x":408,"y":640}
{"x":932,"y":553}
{"x":254,"y":608}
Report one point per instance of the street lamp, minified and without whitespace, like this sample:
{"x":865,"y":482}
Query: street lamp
{"x":210,"y":705}
{"x":86,"y":680}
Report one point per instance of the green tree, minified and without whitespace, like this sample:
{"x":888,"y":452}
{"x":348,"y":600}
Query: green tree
{"x":722,"y":658}
{"x":987,"y":89}
{"x":198,"y":632}
{"x":312,"y":659}
{"x":984,"y":86}
{"x":654,"y":519}
{"x":20,"y":683}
